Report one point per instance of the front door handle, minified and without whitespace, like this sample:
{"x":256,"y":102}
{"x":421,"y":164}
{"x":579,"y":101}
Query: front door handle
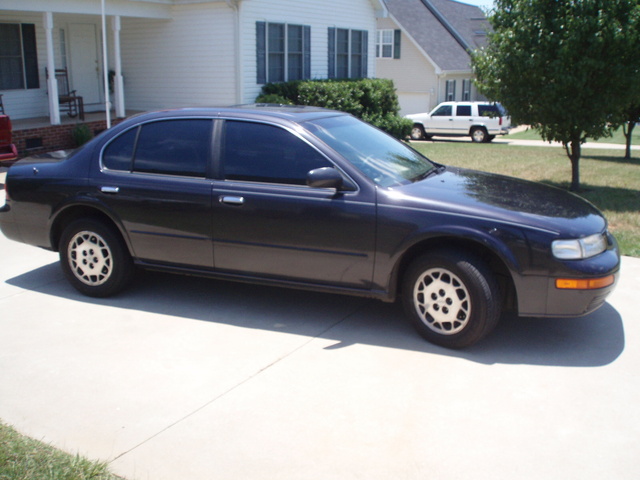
{"x":107,"y":189}
{"x":231,"y":200}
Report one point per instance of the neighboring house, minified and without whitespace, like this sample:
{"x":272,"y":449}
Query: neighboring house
{"x":173,"y":53}
{"x":424,"y":45}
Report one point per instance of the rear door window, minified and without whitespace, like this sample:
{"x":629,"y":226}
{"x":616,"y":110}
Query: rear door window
{"x":172,"y":147}
{"x":463,"y":111}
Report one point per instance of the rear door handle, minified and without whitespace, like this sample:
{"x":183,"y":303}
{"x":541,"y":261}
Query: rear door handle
{"x":231,"y":200}
{"x":112,"y":190}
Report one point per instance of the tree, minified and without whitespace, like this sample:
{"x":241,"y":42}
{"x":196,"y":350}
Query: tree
{"x":565,"y":67}
{"x":630,"y":117}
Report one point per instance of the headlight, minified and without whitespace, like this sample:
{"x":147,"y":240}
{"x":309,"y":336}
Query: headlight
{"x":579,"y":248}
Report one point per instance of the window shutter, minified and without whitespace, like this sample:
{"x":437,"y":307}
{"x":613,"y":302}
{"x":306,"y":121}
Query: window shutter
{"x":365,"y":54}
{"x":332,"y":53}
{"x":306,"y":69}
{"x":261,"y":52}
{"x":397,"y":35}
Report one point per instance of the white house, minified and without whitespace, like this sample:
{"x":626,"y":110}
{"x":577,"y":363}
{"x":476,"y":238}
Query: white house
{"x":424,"y":47}
{"x":170,"y":53}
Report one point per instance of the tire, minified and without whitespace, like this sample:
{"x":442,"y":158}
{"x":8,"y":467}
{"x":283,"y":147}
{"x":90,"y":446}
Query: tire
{"x":479,"y":135}
{"x":94,"y":258}
{"x":417,"y":132}
{"x":452,"y":298}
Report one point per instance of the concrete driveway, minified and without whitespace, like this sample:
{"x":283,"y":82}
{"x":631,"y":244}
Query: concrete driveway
{"x":186,"y":378}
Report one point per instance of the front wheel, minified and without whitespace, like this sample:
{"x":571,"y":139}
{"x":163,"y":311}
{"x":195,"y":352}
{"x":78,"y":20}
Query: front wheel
{"x":94,"y":258}
{"x":452,"y":298}
{"x":418,"y":133}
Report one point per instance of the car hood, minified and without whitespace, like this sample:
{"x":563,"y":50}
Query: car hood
{"x":504,"y":199}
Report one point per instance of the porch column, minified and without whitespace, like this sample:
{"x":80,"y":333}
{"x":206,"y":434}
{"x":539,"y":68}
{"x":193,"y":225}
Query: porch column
{"x":52,"y":84}
{"x":118,"y":83}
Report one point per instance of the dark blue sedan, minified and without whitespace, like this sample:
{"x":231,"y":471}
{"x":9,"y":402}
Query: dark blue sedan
{"x":315,"y":199}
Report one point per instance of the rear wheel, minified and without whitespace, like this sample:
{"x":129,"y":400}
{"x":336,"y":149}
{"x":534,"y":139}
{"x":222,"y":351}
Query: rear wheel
{"x":94,"y":258}
{"x":479,"y":135}
{"x":452,"y":298}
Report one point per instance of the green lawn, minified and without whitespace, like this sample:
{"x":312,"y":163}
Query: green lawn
{"x":618,"y":136}
{"x":608,"y":181}
{"x":22,"y":458}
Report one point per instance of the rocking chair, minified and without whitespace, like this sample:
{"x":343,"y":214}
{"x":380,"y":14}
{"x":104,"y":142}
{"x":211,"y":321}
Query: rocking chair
{"x":68,"y":100}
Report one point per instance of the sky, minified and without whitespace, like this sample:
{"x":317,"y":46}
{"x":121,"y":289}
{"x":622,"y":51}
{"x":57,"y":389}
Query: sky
{"x":478,"y":3}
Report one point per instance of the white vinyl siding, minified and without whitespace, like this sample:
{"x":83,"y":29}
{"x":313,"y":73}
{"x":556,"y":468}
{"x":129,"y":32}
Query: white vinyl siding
{"x":185,"y":61}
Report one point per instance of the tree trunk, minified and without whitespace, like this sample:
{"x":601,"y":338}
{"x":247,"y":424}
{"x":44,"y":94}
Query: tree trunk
{"x":573,"y":149}
{"x":628,"y":130}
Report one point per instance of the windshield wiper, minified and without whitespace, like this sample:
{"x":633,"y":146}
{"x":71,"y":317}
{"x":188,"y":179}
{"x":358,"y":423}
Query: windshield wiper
{"x":434,"y":171}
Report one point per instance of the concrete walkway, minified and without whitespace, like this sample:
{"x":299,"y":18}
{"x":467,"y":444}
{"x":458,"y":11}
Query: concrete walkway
{"x":509,"y":140}
{"x":186,"y":378}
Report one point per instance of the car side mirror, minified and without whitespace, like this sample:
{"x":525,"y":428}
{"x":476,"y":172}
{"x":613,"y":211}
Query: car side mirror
{"x":325,"y":177}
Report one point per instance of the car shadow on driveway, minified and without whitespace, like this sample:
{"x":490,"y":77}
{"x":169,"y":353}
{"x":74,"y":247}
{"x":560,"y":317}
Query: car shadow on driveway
{"x":591,"y":341}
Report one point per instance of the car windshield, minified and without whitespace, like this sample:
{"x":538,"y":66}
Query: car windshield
{"x":380,"y":157}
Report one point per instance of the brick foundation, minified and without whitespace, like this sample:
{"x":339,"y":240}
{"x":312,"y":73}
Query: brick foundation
{"x":54,"y":137}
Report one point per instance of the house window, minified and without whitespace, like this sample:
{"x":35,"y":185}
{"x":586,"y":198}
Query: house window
{"x":348,"y":53}
{"x":466,"y":90}
{"x":18,"y":57}
{"x":388,"y":43}
{"x":450,"y":91}
{"x":283,"y":52}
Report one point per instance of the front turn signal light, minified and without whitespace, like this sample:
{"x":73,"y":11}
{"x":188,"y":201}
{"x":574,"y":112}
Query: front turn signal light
{"x":584,"y":284}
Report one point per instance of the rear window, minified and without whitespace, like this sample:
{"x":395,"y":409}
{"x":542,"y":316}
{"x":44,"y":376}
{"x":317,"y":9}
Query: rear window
{"x":493,"y":110}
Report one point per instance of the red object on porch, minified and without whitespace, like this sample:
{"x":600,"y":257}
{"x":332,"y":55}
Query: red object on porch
{"x":8,"y":151}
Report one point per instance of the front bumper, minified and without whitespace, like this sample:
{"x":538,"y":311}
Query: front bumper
{"x":539,"y":295}
{"x":576,"y":303}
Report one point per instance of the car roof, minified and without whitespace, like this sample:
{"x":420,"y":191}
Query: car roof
{"x":465,"y":102}
{"x":294,"y":113}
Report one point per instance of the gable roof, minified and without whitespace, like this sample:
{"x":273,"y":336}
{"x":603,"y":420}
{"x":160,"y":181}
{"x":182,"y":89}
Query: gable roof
{"x":446,"y":30}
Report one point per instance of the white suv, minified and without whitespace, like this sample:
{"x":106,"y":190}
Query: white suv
{"x":482,"y":121}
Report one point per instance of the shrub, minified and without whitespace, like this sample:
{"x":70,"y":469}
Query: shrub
{"x":373,"y":100}
{"x":273,"y":99}
{"x":81,"y":134}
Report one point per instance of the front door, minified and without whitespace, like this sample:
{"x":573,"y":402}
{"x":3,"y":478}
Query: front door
{"x":441,"y":121}
{"x":268,"y":223}
{"x":84,"y":64}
